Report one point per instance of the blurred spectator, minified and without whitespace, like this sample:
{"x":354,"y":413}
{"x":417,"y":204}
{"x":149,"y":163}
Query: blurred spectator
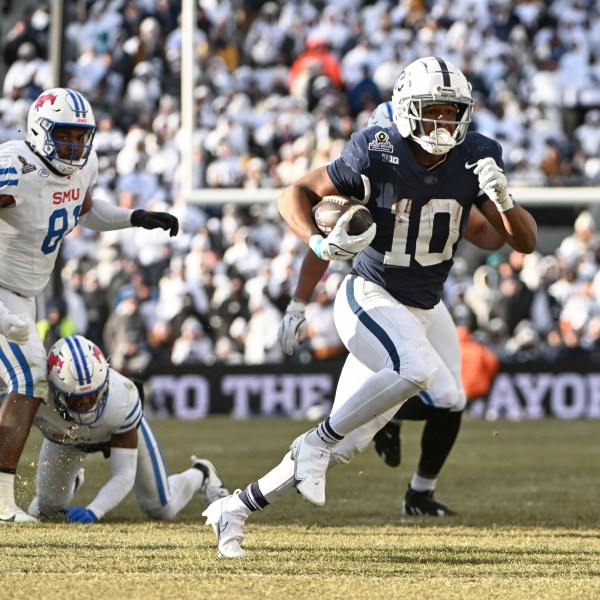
{"x":261,"y":345}
{"x":125,"y":334}
{"x":266,"y":41}
{"x":583,"y":240}
{"x":160,"y":343}
{"x":192,"y":346}
{"x":56,"y":325}
{"x":479,"y":365}
{"x":276,"y":89}
{"x":317,"y":59}
{"x":28,"y":76}
{"x":525,"y":345}
{"x":322,"y":338}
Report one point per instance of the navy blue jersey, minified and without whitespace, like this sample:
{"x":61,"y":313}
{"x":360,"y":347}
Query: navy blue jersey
{"x":420,"y":214}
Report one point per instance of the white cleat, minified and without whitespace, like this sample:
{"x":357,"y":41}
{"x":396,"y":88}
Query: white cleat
{"x":13,"y":514}
{"x":310,"y":466}
{"x":227,"y":517}
{"x":212,"y":487}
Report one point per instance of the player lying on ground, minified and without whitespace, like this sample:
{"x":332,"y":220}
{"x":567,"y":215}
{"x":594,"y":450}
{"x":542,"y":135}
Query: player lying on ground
{"x":95,"y":409}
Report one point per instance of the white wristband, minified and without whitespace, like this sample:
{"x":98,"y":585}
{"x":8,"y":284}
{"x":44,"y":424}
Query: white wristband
{"x":296,"y":304}
{"x":506,"y":204}
{"x":314,"y":241}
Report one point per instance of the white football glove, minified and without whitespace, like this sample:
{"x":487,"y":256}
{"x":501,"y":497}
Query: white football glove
{"x":339,"y":244}
{"x":493,"y":182}
{"x":292,"y":326}
{"x":15,"y":329}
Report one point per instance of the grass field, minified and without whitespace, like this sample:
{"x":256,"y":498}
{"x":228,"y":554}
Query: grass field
{"x":528,"y":524}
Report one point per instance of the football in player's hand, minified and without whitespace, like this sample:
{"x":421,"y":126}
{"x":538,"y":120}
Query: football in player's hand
{"x":331,"y":208}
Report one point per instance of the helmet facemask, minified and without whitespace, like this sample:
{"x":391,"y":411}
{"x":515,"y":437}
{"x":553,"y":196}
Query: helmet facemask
{"x":78,"y":376}
{"x":432,"y":81}
{"x":85,"y":409}
{"x":53,"y":109}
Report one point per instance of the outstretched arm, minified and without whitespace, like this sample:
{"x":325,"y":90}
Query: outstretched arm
{"x":123,"y":466}
{"x":103,"y":216}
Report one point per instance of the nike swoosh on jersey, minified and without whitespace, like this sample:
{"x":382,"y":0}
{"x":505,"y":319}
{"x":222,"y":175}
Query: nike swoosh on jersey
{"x":468,"y":166}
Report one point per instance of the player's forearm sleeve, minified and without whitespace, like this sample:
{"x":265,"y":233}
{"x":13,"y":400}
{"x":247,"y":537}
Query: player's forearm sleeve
{"x":103,"y":216}
{"x":123,"y":464}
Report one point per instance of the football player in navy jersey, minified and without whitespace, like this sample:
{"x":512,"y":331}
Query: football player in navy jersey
{"x":420,"y":180}
{"x":45,"y":192}
{"x":441,"y":424}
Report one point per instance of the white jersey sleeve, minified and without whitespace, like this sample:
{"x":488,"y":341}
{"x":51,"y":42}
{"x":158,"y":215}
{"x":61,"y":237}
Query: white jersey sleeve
{"x":46,"y":208}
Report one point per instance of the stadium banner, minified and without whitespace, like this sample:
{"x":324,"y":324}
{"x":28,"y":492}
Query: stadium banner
{"x":520,"y":391}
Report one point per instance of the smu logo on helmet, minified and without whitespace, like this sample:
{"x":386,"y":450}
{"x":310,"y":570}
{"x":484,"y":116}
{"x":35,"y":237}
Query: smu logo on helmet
{"x":43,"y":99}
{"x":55,"y":361}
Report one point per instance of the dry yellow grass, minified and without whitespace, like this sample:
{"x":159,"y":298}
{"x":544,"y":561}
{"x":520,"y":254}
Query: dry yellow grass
{"x":527,"y":528}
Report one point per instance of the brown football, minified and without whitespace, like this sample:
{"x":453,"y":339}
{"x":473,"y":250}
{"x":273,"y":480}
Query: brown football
{"x":331,"y":208}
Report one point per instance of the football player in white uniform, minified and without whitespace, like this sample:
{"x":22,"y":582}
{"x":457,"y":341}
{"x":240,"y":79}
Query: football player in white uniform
{"x":420,"y":180}
{"x":441,"y":424}
{"x":93,"y":408}
{"x":45,"y":184}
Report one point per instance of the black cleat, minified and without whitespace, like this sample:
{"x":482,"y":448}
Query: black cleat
{"x":387,"y":444}
{"x":422,"y":503}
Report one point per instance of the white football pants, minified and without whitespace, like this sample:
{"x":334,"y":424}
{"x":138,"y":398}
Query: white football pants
{"x":446,"y":391}
{"x":156,"y":493}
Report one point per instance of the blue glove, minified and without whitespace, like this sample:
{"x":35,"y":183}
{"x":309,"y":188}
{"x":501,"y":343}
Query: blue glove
{"x":78,"y":514}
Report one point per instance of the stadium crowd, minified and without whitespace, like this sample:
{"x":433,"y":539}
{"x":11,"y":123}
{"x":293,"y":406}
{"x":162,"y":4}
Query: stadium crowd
{"x":278,"y":88}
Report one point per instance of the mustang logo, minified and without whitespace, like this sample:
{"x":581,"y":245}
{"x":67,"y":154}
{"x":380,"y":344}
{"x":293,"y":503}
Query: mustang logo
{"x":55,"y":361}
{"x":97,"y":353}
{"x":43,"y":99}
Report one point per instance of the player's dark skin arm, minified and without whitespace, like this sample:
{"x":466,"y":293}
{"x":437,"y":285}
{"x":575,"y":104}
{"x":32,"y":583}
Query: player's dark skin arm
{"x":311,"y":272}
{"x":296,"y":201}
{"x":129,"y":439}
{"x":517,"y":227}
{"x":481,"y":233}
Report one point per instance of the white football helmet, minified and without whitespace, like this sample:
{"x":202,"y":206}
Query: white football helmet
{"x":60,"y":107}
{"x":78,"y":379}
{"x":383,"y":115}
{"x":426,"y":81}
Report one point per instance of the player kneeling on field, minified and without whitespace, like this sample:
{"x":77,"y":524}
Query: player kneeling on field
{"x":92,"y":408}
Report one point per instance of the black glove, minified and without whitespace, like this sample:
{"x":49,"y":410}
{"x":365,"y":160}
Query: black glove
{"x":151,"y":220}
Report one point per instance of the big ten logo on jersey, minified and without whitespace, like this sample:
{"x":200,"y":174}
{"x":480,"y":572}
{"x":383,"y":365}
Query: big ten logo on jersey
{"x":66,"y":196}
